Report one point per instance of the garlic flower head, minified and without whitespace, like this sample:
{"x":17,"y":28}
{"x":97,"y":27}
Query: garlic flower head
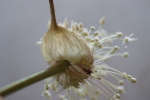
{"x":86,"y":50}
{"x":60,"y":43}
{"x":86,"y":54}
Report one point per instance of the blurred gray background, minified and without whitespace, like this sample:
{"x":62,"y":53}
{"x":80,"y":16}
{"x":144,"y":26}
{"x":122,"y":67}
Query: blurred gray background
{"x":23,"y":22}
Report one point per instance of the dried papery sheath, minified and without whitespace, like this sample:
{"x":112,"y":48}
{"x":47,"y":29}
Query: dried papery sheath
{"x":59,"y":44}
{"x":86,"y":50}
{"x":62,"y":44}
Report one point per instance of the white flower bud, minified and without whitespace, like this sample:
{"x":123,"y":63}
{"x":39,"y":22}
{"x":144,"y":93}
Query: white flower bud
{"x":77,"y":27}
{"x":62,"y":97}
{"x":81,"y":25}
{"x":129,"y":76}
{"x":92,"y":28}
{"x":65,"y":24}
{"x":97,"y":91}
{"x":124,"y":75}
{"x":92,"y":40}
{"x":116,"y":48}
{"x":120,"y":89}
{"x":96,"y":33}
{"x":125,"y":54}
{"x":117,"y":96}
{"x":102,"y":21}
{"x":134,"y":80}
{"x":46,"y":94}
{"x":119,"y":34}
{"x":96,"y":39}
{"x":121,"y":82}
{"x":128,"y":39}
{"x":85,"y":33}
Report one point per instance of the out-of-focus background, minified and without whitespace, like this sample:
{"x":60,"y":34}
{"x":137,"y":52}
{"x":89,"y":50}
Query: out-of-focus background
{"x":23,"y":22}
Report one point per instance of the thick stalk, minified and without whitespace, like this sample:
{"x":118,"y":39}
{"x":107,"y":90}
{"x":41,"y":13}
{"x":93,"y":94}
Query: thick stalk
{"x":53,"y":70}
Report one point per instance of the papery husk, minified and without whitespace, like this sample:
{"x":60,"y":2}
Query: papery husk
{"x":61,"y":44}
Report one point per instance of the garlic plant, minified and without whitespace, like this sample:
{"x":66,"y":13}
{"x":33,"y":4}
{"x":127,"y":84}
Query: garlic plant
{"x":86,"y":50}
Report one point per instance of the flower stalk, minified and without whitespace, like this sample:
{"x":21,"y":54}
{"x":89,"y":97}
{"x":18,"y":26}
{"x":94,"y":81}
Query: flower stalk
{"x":52,"y":12}
{"x":53,"y":70}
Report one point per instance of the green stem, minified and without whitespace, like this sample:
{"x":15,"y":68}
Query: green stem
{"x":53,"y":70}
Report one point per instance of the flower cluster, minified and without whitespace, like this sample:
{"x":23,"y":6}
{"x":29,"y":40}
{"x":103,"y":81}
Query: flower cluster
{"x":86,"y":50}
